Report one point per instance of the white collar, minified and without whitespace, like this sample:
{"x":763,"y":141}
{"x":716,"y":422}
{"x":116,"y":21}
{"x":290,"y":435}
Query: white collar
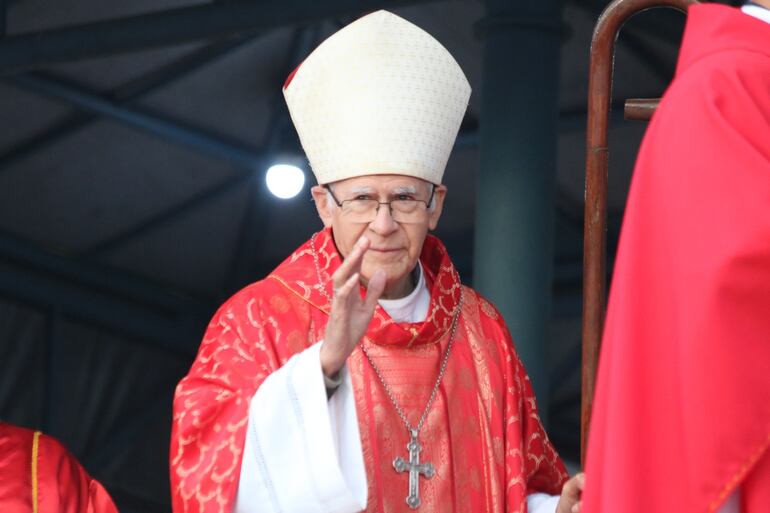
{"x":757,"y":11}
{"x":411,"y":308}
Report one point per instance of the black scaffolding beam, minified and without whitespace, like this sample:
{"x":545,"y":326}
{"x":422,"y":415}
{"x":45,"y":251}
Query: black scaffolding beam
{"x":127,"y":93}
{"x":36,"y":50}
{"x":155,"y":315}
{"x":172,"y":130}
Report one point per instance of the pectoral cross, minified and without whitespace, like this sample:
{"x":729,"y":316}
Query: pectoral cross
{"x":415,"y":468}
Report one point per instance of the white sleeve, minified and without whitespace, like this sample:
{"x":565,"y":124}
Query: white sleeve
{"x":542,"y":503}
{"x":302,"y":452}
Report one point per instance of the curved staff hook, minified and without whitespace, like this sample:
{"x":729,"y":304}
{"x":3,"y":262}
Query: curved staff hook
{"x":597,"y":158}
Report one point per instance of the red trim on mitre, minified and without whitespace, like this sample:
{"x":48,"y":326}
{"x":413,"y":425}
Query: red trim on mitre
{"x":291,"y":76}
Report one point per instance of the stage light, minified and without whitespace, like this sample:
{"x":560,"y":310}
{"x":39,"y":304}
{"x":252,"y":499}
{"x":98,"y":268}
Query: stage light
{"x":285,"y":181}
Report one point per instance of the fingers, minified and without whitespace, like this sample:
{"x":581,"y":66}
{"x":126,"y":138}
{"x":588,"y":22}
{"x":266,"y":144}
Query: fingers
{"x":342,"y":293}
{"x":572,"y":490}
{"x":578,"y":482}
{"x":574,"y":486}
{"x":351,"y":264}
{"x":374,"y":289}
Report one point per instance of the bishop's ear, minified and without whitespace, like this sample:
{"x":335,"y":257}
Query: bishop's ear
{"x":438,"y":204}
{"x":322,"y":204}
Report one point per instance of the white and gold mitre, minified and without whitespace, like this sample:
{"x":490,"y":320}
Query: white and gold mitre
{"x":380,"y":96}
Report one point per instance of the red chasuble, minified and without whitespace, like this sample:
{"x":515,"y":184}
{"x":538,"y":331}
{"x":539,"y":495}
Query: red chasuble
{"x":682,"y":411}
{"x":38,"y":475}
{"x":482,"y":434}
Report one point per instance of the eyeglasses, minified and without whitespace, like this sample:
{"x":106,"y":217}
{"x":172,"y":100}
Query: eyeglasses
{"x":364,"y":210}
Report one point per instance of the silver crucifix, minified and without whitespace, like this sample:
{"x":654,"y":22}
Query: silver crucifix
{"x":415,"y":468}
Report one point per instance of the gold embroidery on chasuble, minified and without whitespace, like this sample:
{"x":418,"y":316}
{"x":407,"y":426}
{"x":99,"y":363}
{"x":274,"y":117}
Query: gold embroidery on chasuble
{"x":411,"y":374}
{"x":466,"y":378}
{"x":296,"y":341}
{"x":35,"y":458}
{"x":279,"y":303}
{"x":474,"y":433}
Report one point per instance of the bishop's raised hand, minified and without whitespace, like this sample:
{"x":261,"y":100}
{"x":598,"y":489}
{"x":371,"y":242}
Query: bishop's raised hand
{"x":350,"y":313}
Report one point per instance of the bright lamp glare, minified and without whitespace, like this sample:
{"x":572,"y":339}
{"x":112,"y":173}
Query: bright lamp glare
{"x":285,"y":181}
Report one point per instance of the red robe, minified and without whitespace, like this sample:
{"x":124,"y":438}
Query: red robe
{"x":682,"y":411}
{"x":483,"y":432}
{"x":37,"y":474}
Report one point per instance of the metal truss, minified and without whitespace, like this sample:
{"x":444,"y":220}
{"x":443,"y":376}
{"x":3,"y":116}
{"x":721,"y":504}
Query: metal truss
{"x":30,"y":51}
{"x":196,"y":138}
{"x":125,"y":94}
{"x":163,"y":319}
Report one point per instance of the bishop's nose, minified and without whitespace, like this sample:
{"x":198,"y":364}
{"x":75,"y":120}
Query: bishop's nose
{"x":383,"y":223}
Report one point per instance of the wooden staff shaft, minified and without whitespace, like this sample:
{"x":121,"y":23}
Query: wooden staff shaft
{"x":597,"y":154}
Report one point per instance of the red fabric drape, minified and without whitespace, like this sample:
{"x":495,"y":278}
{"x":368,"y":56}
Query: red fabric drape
{"x":682,"y":410}
{"x":38,"y":474}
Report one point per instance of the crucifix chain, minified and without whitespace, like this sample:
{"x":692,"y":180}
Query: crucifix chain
{"x":413,"y":466}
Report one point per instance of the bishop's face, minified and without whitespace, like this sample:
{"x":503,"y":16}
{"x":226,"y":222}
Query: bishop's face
{"x":395,"y":245}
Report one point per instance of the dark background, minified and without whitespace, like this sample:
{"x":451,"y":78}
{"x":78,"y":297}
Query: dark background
{"x":132,"y":202}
